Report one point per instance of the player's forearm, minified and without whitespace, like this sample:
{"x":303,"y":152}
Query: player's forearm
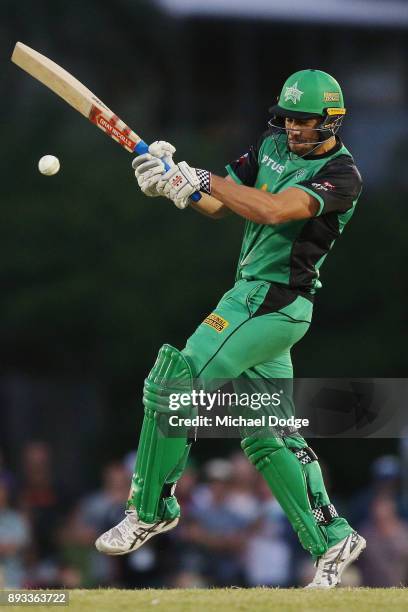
{"x":210,"y":207}
{"x":248,"y":202}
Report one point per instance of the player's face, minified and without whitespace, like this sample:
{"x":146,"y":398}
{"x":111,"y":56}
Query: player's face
{"x":300,"y":132}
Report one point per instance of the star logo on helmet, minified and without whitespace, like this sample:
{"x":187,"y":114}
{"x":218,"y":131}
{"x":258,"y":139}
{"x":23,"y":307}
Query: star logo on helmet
{"x":293,"y":93}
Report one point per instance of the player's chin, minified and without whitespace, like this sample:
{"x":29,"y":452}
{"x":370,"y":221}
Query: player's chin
{"x":299,"y":148}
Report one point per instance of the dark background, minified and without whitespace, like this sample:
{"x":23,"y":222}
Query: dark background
{"x":95,"y":277}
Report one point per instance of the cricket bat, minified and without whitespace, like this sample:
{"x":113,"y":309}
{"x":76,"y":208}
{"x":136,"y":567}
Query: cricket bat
{"x":81,"y":98}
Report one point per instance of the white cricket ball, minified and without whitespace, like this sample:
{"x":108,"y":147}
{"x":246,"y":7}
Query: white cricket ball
{"x":49,"y":165}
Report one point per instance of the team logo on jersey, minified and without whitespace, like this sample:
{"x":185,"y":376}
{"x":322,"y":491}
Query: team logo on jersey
{"x":331,"y":96}
{"x":300,"y":174}
{"x":216,"y":322}
{"x":293,"y":93}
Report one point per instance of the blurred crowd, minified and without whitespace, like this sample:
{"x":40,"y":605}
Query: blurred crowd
{"x":232,"y":532}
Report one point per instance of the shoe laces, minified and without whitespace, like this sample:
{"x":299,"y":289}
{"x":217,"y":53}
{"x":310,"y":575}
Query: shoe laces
{"x":125,"y":527}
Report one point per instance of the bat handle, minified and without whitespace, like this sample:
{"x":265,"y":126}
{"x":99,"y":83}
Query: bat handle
{"x":143,"y":147}
{"x":196,"y":197}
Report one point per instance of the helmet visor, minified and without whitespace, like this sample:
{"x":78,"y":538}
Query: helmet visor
{"x":279,"y":111}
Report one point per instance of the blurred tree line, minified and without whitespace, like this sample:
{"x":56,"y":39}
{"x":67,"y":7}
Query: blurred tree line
{"x":95,"y":277}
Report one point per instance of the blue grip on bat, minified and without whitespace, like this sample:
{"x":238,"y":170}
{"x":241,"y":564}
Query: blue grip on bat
{"x":143,"y":147}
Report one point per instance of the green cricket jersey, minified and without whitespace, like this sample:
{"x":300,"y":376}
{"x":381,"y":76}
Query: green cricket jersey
{"x":292,"y":253}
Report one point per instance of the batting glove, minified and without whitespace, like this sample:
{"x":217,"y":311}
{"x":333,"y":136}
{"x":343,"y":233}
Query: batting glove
{"x":181,"y":181}
{"x":150,"y":166}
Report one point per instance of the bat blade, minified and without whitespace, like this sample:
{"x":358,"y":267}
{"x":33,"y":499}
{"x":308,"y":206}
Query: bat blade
{"x":77,"y":95}
{"x":81,"y":98}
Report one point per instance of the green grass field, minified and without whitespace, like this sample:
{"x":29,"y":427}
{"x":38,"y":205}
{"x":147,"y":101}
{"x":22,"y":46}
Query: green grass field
{"x":254,"y":600}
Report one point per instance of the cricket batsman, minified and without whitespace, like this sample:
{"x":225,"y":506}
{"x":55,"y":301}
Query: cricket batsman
{"x":296,"y":188}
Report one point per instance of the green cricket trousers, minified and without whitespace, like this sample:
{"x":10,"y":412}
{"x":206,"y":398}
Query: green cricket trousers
{"x":250,"y":334}
{"x":248,"y":337}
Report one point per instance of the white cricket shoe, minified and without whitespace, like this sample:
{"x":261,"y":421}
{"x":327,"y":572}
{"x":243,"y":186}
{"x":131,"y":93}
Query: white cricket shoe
{"x":130,"y":534}
{"x":332,"y":564}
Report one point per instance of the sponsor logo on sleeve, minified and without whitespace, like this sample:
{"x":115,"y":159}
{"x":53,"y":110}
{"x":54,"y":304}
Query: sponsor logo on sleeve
{"x":216,"y":322}
{"x":326,"y":186}
{"x":243,"y":159}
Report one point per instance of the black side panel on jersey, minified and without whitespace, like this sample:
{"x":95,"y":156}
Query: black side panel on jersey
{"x":338,"y":183}
{"x":313,"y":242}
{"x":246,"y":167}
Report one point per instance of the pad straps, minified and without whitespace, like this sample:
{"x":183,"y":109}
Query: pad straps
{"x":322,"y":514}
{"x":305,"y":455}
{"x":325,"y":514}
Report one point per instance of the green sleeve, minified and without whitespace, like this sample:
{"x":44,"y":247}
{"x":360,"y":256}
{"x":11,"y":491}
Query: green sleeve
{"x":315,"y":195}
{"x":232,"y":174}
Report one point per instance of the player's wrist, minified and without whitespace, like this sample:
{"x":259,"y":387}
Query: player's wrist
{"x":205,"y":178}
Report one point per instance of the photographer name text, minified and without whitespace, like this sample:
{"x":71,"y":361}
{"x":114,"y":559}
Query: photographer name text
{"x":236,"y":421}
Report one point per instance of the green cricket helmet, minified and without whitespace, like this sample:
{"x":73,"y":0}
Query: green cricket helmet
{"x":311,"y":94}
